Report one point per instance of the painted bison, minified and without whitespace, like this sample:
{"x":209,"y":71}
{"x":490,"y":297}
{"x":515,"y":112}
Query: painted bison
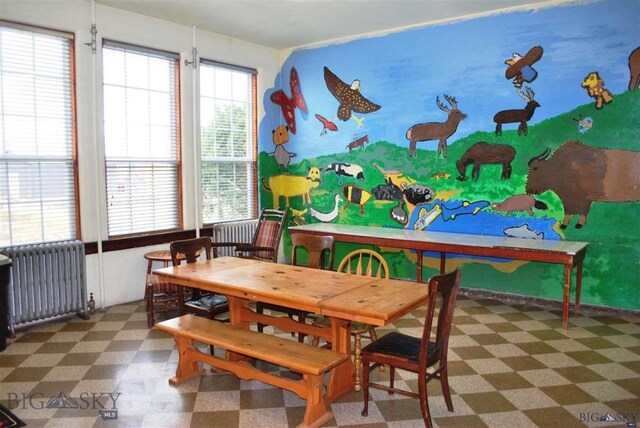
{"x":581,"y":174}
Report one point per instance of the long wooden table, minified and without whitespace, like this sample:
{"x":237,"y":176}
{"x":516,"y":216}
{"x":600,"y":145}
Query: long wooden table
{"x":339,"y":296}
{"x":568,"y":253}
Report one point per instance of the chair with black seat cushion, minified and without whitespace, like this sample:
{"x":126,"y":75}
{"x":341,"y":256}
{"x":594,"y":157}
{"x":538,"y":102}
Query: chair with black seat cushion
{"x":266,"y":238}
{"x":204,"y":304}
{"x":414,"y":354}
{"x":319,"y":256}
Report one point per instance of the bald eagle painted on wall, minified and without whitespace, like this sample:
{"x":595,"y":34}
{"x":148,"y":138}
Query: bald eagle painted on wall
{"x":349,"y":97}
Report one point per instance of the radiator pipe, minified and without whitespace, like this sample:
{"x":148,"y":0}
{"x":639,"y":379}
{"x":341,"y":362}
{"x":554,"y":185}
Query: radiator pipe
{"x":196,"y":133}
{"x":96,"y":145}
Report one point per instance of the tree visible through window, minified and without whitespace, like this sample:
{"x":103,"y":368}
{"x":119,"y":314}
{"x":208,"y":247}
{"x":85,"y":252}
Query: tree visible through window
{"x":141,"y":138}
{"x":228,"y":165}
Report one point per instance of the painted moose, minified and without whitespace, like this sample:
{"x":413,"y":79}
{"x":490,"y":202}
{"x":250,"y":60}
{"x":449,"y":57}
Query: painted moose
{"x":483,"y":153}
{"x":581,"y":174}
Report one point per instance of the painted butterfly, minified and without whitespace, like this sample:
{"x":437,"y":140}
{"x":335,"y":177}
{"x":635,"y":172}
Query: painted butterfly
{"x":287,"y":104}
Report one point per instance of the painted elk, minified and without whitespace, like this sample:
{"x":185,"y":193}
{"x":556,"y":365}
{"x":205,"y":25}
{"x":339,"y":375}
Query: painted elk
{"x":521,"y":116}
{"x":483,"y":153}
{"x":581,"y":174}
{"x":436,"y":130}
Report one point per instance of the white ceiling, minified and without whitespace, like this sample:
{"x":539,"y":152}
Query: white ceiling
{"x":282,"y":24}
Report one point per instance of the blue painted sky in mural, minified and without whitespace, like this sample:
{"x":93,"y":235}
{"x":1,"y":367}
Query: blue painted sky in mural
{"x":404,"y":72}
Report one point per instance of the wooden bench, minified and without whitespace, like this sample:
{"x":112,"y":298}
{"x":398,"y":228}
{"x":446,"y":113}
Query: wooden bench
{"x":311,"y":362}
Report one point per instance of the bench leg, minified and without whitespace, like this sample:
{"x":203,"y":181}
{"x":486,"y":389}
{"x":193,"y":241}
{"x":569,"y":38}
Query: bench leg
{"x":187,"y":366}
{"x":316,"y":412}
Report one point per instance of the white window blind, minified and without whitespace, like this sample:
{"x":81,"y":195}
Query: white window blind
{"x":37,"y":136}
{"x":141,"y":126}
{"x":228,"y":165}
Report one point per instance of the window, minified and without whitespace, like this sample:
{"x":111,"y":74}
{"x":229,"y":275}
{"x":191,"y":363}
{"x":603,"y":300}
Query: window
{"x":141,"y":136}
{"x":38,"y":168}
{"x":228,"y":146}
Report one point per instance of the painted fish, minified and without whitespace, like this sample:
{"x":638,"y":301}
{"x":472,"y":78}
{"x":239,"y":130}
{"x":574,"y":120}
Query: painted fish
{"x":522,"y":231}
{"x":425,"y":218}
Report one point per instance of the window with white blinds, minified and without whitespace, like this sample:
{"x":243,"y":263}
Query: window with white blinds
{"x":228,"y":164}
{"x":141,"y":136}
{"x":37,"y":136}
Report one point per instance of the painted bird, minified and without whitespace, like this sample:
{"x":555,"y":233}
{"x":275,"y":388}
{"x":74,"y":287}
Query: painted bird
{"x":348,"y":96}
{"x":327,"y":125}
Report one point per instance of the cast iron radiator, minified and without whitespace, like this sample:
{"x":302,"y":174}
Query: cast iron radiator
{"x":234,"y":231}
{"x":47,"y":280}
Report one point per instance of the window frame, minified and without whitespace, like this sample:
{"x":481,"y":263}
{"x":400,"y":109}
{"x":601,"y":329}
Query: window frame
{"x":252,"y":143}
{"x":73,"y":117}
{"x":140,"y":49}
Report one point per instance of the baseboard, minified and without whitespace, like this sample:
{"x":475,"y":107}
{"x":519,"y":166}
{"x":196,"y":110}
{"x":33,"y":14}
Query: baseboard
{"x":545,"y":303}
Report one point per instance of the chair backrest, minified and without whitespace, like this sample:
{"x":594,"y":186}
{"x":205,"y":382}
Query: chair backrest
{"x":190,"y":249}
{"x":367,"y":263}
{"x":318,"y":246}
{"x":445,"y":287}
{"x":268,"y":233}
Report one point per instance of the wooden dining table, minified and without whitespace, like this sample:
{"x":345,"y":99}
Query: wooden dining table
{"x":341,"y":297}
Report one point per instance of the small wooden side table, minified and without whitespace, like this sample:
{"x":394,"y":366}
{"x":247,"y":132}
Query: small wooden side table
{"x":163,"y":256}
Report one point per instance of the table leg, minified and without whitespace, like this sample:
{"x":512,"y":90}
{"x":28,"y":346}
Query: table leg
{"x":443,"y":262}
{"x":566,"y":294}
{"x":578,"y":284}
{"x":236,"y":319}
{"x":419,"y":272}
{"x":341,"y":377}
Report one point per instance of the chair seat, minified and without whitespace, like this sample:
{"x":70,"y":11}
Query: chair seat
{"x":398,"y":345}
{"x":165,"y":302}
{"x":210,"y":301}
{"x":355,"y":326}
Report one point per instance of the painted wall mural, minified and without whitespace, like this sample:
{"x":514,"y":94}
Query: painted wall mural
{"x":502,"y":135}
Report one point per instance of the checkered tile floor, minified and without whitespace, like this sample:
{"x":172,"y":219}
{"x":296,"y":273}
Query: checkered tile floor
{"x":510,"y":366}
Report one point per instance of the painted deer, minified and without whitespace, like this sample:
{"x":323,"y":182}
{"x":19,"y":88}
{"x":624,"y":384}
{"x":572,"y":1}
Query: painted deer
{"x":436,"y":130}
{"x":518,"y":115}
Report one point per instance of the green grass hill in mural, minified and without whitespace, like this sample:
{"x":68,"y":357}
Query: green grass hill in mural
{"x":611,"y":229}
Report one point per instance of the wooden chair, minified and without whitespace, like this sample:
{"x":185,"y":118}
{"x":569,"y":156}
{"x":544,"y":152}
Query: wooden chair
{"x":398,"y":350}
{"x":265,"y":241}
{"x":160,"y":297}
{"x":318,"y":248}
{"x":367,"y":263}
{"x":204,"y":304}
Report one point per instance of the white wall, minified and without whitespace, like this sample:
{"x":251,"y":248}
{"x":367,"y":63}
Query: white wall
{"x":123,"y":272}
